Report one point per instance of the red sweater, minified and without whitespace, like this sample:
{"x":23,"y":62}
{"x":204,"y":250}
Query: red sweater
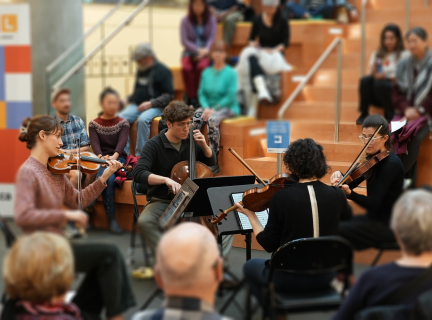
{"x":109,"y":136}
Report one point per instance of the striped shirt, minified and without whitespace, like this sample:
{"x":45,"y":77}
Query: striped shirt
{"x":74,"y":129}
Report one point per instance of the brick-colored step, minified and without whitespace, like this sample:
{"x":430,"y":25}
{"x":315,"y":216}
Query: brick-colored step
{"x":350,"y":76}
{"x":324,"y":130}
{"x":327,"y":93}
{"x":314,"y":110}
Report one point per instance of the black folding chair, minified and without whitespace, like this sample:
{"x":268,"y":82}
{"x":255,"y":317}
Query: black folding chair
{"x":309,"y":256}
{"x":393,"y":246}
{"x":131,"y":260}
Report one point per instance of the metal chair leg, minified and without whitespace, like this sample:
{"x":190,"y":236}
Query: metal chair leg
{"x":377,"y":257}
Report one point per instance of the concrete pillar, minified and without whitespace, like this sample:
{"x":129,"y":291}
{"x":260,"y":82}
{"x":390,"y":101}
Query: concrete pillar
{"x":55,"y":25}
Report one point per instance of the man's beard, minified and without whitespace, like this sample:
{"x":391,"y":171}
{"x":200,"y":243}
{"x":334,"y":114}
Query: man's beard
{"x":143,"y":67}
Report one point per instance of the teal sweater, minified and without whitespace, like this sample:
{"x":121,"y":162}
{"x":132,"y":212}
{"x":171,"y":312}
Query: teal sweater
{"x":218,"y":89}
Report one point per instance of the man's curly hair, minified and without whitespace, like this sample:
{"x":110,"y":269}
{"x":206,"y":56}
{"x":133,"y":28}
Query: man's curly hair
{"x":306,"y":160}
{"x":177,"y":111}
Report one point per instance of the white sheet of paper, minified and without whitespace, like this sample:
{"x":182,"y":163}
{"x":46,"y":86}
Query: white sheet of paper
{"x":244,"y":220}
{"x":396,"y":125}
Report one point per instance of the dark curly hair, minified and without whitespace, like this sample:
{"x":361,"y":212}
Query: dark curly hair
{"x":177,"y":111}
{"x":305,"y":159}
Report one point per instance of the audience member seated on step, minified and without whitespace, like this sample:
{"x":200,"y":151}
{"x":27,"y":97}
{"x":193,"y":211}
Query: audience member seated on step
{"x":40,"y":206}
{"x":189,"y":269}
{"x":152,"y":93}
{"x":108,"y":137}
{"x":412,"y":97}
{"x":291,"y":217}
{"x":198,"y":32}
{"x":74,"y":130}
{"x":38,"y":271}
{"x":384,"y":183}
{"x":229,"y":13}
{"x":269,"y":37}
{"x":411,"y":223}
{"x":217,"y":96}
{"x":376,"y":88}
{"x":305,"y":9}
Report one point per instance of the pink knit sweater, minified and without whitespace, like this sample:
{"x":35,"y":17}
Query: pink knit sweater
{"x":40,"y":196}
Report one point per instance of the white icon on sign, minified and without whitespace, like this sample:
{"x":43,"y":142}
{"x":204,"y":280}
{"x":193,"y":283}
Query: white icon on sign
{"x":278,"y":139}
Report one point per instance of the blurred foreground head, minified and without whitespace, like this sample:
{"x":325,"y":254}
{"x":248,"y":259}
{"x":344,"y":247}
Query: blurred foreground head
{"x":38,"y":268}
{"x":188,"y":262}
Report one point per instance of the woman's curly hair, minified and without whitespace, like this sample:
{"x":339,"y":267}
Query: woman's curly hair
{"x":305,"y":159}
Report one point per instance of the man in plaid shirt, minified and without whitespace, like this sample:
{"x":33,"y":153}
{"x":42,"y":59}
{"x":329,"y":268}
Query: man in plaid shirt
{"x":74,"y":130}
{"x":189,"y":270}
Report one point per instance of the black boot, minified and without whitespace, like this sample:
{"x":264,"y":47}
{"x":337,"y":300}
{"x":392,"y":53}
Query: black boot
{"x":361,"y":118}
{"x":114,"y":227}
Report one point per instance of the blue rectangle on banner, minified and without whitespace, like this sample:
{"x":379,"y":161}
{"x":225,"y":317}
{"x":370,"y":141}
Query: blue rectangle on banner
{"x":278,"y":136}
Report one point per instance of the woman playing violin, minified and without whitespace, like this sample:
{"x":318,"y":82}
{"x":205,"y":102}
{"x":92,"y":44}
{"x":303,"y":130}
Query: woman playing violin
{"x":39,"y":207}
{"x":291,"y":217}
{"x":384,"y":186}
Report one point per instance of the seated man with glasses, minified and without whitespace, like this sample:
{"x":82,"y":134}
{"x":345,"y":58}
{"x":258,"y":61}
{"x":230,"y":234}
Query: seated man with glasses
{"x":384,"y":186}
{"x":159,"y":155}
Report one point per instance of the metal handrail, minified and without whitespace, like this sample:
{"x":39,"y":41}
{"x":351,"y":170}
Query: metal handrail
{"x":66,"y":53}
{"x":337,"y":42}
{"x":363,"y":37}
{"x":407,"y":14}
{"x":77,"y":67}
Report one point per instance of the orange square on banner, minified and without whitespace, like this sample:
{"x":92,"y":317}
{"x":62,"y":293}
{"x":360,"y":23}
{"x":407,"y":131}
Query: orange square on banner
{"x":9,"y":23}
{"x":17,"y":59}
{"x":2,"y":115}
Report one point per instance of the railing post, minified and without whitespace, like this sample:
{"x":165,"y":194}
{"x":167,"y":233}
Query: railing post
{"x":338,"y":91}
{"x":426,"y":3}
{"x":363,"y":38}
{"x":407,"y":15}
{"x":279,"y":163}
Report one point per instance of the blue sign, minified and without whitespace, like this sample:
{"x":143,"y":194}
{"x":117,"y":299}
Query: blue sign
{"x":278,"y":136}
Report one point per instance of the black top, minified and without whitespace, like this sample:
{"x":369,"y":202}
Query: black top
{"x":159,"y":157}
{"x":290,"y":214}
{"x":278,"y":34}
{"x":377,"y":283}
{"x":383,"y":188}
{"x":154,"y":84}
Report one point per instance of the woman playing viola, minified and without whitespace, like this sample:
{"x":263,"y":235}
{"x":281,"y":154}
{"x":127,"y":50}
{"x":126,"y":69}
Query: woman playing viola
{"x":384,"y":186}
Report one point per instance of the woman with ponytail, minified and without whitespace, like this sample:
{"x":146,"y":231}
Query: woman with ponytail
{"x":39,"y":207}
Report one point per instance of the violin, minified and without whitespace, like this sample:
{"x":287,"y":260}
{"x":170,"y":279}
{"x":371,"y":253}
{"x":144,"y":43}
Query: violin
{"x":258,"y":199}
{"x":362,"y":164}
{"x":88,"y":162}
{"x":193,"y":169}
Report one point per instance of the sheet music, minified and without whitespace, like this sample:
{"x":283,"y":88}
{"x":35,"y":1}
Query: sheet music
{"x":396,"y":125}
{"x":243,"y":219}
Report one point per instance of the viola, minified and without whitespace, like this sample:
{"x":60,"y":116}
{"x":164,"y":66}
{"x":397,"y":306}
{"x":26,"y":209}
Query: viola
{"x":363,"y":164}
{"x":258,"y":199}
{"x":88,"y":162}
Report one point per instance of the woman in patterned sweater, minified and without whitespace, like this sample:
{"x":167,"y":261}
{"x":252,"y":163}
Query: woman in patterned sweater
{"x":108,"y":137}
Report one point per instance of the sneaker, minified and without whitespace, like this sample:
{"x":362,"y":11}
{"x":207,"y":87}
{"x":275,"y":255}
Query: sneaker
{"x":361,"y":119}
{"x":115,"y":228}
{"x":407,"y":184}
{"x":72,"y":232}
{"x":143,"y":273}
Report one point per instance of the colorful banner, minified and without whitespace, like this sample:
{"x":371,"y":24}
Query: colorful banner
{"x":15,"y":96}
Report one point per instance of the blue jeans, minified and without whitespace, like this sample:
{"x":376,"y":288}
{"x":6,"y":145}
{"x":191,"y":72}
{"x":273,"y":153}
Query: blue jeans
{"x":297,"y":11}
{"x":109,"y":192}
{"x":130,"y":114}
{"x":256,"y":273}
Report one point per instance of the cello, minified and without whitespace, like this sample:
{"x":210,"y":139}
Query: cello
{"x":193,"y":169}
{"x":257,"y":199}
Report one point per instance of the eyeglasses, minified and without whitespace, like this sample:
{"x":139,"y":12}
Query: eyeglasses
{"x":184,"y":125}
{"x":366,"y":140}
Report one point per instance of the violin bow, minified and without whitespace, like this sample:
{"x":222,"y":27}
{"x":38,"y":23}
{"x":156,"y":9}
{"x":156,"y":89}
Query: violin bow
{"x":247,"y":166}
{"x":356,"y":161}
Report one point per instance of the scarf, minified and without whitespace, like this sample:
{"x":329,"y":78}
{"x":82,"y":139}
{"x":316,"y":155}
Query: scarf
{"x":420,"y":87}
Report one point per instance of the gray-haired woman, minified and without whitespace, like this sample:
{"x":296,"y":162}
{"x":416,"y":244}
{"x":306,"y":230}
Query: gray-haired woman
{"x":412,"y":224}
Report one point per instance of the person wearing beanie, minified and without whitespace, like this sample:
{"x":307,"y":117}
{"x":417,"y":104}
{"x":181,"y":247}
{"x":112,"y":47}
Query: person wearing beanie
{"x":152,"y":92}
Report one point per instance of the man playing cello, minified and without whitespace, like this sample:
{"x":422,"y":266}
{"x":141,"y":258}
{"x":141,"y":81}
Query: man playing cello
{"x":159,"y":155}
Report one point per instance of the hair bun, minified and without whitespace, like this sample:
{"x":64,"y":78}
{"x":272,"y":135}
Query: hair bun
{"x":23,"y":136}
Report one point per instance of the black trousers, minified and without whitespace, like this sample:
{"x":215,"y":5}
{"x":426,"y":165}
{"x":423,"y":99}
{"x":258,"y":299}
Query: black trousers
{"x":106,"y":283}
{"x":413,"y":148}
{"x":255,"y":70}
{"x":377,"y":93}
{"x":364,"y":233}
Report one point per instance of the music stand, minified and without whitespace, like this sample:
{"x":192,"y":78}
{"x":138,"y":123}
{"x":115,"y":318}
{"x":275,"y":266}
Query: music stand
{"x":220,"y":199}
{"x":200,"y":204}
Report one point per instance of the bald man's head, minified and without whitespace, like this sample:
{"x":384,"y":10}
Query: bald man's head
{"x":187,"y":255}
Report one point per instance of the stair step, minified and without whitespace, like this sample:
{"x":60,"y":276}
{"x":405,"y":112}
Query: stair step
{"x":327,"y":93}
{"x":314,"y":110}
{"x":350,"y":60}
{"x":324,"y":130}
{"x":383,"y":4}
{"x":329,"y":76}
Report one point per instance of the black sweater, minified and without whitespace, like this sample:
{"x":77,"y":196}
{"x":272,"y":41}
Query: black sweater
{"x":383,"y":188}
{"x":278,"y":34}
{"x":159,"y":157}
{"x":290,"y":214}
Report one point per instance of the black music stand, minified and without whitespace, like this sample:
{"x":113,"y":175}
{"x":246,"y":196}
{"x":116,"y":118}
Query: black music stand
{"x":220,"y":199}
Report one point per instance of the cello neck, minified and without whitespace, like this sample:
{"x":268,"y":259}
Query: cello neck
{"x":247,"y":166}
{"x":192,"y":160}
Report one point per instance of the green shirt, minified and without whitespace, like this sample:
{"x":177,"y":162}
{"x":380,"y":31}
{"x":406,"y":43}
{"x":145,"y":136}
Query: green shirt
{"x":176,"y":145}
{"x":218,"y":89}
